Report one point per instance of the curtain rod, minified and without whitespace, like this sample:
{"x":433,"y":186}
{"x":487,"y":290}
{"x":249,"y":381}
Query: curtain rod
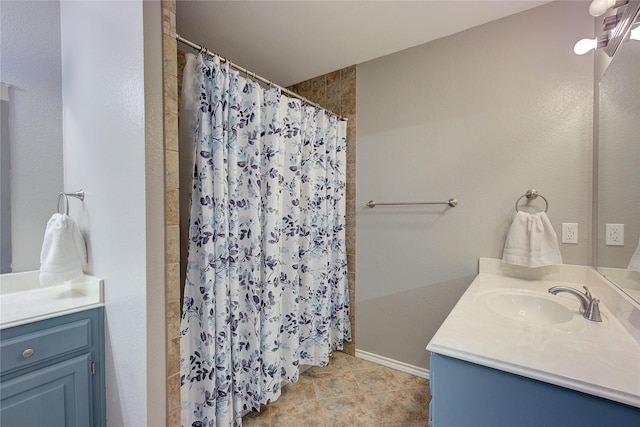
{"x":253,"y":75}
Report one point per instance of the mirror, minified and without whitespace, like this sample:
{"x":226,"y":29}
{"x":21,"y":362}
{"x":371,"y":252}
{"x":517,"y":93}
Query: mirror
{"x":619,"y":168}
{"x":32,"y":172}
{"x":5,"y":195}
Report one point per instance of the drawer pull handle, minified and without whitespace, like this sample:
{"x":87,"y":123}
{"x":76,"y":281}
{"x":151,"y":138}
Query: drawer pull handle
{"x":27,"y":353}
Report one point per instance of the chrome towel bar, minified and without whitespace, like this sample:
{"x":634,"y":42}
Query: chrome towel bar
{"x":451,"y":202}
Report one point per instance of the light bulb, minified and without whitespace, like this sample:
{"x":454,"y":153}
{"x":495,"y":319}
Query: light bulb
{"x":599,"y":7}
{"x":584,"y":46}
{"x":635,"y":34}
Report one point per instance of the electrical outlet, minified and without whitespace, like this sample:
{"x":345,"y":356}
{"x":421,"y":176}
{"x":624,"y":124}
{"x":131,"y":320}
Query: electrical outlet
{"x":569,"y":232}
{"x":614,"y":234}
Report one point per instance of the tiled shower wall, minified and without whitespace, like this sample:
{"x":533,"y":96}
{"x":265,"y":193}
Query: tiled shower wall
{"x":335,"y":91}
{"x":172,"y":210}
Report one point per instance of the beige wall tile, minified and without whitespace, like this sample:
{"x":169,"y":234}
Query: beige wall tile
{"x":349,"y":73}
{"x":351,"y":267}
{"x":173,"y":319}
{"x":172,"y":268}
{"x":172,"y":206}
{"x":351,"y":192}
{"x":348,"y":110}
{"x":350,"y":348}
{"x":171,"y":131}
{"x":173,"y":244}
{"x":173,"y":393}
{"x":173,"y":282}
{"x":319,"y":96}
{"x":173,"y":356}
{"x":171,"y":89}
{"x":173,"y":420}
{"x":169,"y":59}
{"x":333,"y":78}
{"x":171,"y":169}
{"x":319,"y":82}
{"x":332,"y":104}
{"x":304,"y":86}
{"x":169,"y":5}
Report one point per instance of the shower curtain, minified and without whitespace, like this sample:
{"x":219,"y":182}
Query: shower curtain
{"x":266,"y":287}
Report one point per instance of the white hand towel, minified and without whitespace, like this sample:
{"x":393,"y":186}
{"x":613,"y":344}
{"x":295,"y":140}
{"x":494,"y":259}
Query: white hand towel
{"x":63,"y":251}
{"x":634,"y":264}
{"x":531,"y":242}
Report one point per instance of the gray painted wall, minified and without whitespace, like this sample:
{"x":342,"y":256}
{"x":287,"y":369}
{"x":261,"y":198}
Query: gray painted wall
{"x":482,"y":116}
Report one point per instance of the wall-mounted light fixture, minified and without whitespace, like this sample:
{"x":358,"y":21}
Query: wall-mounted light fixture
{"x":600,"y":7}
{"x":616,"y":26}
{"x":611,"y":22}
{"x":586,"y":45}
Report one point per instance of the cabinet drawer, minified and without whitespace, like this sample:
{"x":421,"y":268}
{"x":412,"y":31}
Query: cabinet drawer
{"x":40,"y":345}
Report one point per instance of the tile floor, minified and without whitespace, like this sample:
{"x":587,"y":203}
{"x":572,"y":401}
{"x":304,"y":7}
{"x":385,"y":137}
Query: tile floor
{"x":349,"y":392}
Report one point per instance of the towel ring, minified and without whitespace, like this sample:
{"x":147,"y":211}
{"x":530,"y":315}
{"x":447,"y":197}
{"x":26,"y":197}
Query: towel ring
{"x":64,"y":197}
{"x":532,"y":195}
{"x":65,"y":203}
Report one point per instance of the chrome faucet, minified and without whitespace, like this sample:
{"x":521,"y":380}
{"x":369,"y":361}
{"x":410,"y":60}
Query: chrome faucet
{"x":588,"y":305}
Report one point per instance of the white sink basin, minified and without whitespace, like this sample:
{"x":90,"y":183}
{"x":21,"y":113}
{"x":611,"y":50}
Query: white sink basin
{"x":526,"y":307}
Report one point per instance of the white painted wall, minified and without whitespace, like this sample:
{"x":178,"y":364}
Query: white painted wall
{"x":112,"y":151}
{"x":30,"y":62}
{"x":482,"y":116}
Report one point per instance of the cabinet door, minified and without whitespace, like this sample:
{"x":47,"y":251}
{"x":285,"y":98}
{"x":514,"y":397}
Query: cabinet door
{"x":55,"y":396}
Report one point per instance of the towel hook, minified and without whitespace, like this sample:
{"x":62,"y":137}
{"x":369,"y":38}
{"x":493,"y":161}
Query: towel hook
{"x":65,"y":198}
{"x":532,"y":195}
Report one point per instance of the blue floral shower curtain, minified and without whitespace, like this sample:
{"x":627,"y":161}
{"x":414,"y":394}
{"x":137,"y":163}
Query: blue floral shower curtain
{"x":266,"y":288}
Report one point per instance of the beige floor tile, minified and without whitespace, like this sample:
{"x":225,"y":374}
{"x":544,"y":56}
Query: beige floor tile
{"x":347,"y":411}
{"x":308,"y":414}
{"x":375,"y":380}
{"x":413,"y":405}
{"x":257,"y":419}
{"x":299,"y":391}
{"x":339,"y":360}
{"x":335,"y":384}
{"x":349,"y":392}
{"x":408,"y":380}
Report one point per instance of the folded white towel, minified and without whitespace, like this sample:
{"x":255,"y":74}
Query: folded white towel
{"x":63,"y":251}
{"x":634,"y":264}
{"x":532,"y":241}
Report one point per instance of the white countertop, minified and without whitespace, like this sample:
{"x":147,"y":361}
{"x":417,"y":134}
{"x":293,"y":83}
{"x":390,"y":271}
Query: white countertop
{"x":24,"y":300}
{"x":602,"y":359}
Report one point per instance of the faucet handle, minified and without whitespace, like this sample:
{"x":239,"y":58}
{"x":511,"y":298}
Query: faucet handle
{"x":587,"y":293}
{"x":593,"y":311}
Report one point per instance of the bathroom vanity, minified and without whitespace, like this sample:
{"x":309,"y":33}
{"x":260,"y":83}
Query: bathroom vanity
{"x":511,"y":354}
{"x":51,"y":352}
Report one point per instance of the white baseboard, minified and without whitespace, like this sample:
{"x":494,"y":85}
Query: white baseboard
{"x":394,"y":364}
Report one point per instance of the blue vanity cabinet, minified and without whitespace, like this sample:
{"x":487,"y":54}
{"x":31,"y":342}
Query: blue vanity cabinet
{"x":466,"y":394}
{"x":52,"y":372}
